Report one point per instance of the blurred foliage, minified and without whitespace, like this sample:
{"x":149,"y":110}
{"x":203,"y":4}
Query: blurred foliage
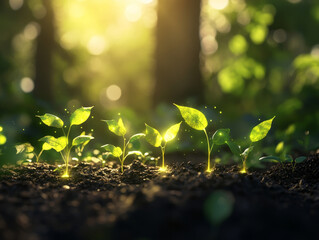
{"x":259,"y":59}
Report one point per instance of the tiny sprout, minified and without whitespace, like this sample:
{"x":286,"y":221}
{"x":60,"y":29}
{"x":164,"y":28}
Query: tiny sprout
{"x":154,"y":138}
{"x":118,"y":128}
{"x":197,"y":120}
{"x":259,"y":132}
{"x":62,"y":144}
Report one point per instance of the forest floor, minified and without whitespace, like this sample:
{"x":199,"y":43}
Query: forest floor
{"x":143,"y":203}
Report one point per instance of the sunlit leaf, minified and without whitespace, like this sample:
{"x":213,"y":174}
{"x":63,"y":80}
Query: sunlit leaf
{"x":272,"y":159}
{"x":134,"y":153}
{"x":24,"y":147}
{"x":300,"y":159}
{"x":116,"y":127}
{"x":115,"y":151}
{"x":136,"y":137}
{"x":152,"y":136}
{"x":261,"y":130}
{"x":280,"y":147}
{"x":46,"y":146}
{"x":81,"y":140}
{"x":172,"y":132}
{"x":80,"y":115}
{"x":193,"y":117}
{"x":58,"y":144}
{"x":247,"y":151}
{"x":221,"y":136}
{"x":234,"y":148}
{"x":51,"y":120}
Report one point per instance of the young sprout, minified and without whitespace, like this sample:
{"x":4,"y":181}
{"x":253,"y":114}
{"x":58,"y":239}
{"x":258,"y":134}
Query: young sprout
{"x":154,"y":138}
{"x":258,"y":133}
{"x":118,"y":128}
{"x":62,"y":144}
{"x":197,"y":120}
{"x":283,"y":157}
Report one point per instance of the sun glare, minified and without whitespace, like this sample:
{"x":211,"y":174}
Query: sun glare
{"x":218,"y":4}
{"x":133,"y":12}
{"x":96,"y":45}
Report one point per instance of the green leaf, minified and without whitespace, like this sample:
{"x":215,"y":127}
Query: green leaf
{"x":271,"y":159}
{"x":261,"y":130}
{"x":234,"y":148}
{"x":300,"y":159}
{"x":116,"y":127}
{"x":81,"y":139}
{"x":24,"y":147}
{"x":152,"y":136}
{"x":194,"y":118}
{"x":172,"y":132}
{"x":247,"y":151}
{"x":289,"y":158}
{"x":115,"y":151}
{"x":51,"y":120}
{"x":46,"y":147}
{"x":134,"y":153}
{"x":58,"y":144}
{"x":221,"y":136}
{"x":136,"y":137}
{"x":80,"y":115}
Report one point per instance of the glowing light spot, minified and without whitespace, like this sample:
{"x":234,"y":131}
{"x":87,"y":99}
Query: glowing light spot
{"x":16,"y":4}
{"x":26,"y":85}
{"x":209,"y":45}
{"x":243,"y":171}
{"x":3,"y":139}
{"x":162,"y":169}
{"x":65,"y":175}
{"x":96,"y":45}
{"x":31,"y":31}
{"x":218,"y":4}
{"x":66,"y":187}
{"x":220,"y":112}
{"x":1,"y":128}
{"x":133,"y":12}
{"x":113,"y":92}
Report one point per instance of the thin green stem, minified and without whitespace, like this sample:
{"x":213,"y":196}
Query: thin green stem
{"x":63,"y":157}
{"x":38,"y":156}
{"x":123,"y":153}
{"x":208,"y":151}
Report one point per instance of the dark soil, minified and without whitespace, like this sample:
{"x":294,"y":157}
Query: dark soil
{"x":142,"y":203}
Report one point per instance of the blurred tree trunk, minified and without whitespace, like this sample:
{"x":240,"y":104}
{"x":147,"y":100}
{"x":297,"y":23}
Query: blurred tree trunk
{"x":177,"y":71}
{"x":43,"y":57}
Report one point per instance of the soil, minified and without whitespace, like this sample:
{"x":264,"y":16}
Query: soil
{"x":143,"y":203}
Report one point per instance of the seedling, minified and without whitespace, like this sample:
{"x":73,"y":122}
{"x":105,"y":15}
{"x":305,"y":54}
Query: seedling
{"x":118,"y":128}
{"x":197,"y":120}
{"x":259,"y":132}
{"x":62,"y":144}
{"x":283,"y":157}
{"x":154,"y":138}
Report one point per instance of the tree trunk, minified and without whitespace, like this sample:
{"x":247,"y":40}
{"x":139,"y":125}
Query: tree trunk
{"x":177,"y":71}
{"x":43,"y":57}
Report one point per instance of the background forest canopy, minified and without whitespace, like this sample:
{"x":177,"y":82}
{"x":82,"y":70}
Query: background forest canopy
{"x":236,"y":60}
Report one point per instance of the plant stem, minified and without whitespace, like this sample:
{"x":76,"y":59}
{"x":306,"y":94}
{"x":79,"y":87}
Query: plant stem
{"x":38,"y":156}
{"x":163,"y":155}
{"x":123,"y":153}
{"x":208,"y":151}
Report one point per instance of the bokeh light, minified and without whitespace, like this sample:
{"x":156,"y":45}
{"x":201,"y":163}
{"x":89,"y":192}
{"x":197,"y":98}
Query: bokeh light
{"x":218,"y":4}
{"x":26,"y":85}
{"x":133,"y":12}
{"x":96,"y":45}
{"x":16,"y":4}
{"x":113,"y":92}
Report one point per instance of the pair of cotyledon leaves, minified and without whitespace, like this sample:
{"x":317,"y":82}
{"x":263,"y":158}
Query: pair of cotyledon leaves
{"x":117,"y":127}
{"x":197,"y":120}
{"x":151,"y":135}
{"x":78,"y":117}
